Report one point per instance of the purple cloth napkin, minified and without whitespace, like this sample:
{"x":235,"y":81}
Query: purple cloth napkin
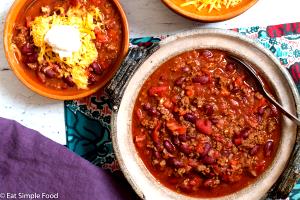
{"x":32,"y":164}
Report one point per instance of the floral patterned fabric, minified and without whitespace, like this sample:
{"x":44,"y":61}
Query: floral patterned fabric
{"x":88,"y":121}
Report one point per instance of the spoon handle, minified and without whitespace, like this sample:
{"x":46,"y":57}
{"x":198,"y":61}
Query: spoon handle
{"x":281,"y":108}
{"x":266,"y":93}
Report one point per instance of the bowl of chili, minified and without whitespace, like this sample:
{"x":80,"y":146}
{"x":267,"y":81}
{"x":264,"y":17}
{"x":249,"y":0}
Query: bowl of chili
{"x":209,"y":10}
{"x":65,"y":49}
{"x":191,"y":124}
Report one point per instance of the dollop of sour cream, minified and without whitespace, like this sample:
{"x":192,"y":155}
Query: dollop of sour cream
{"x":63,"y":39}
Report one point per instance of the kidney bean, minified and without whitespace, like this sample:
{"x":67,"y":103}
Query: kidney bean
{"x":169,"y":146}
{"x":206,"y":148}
{"x":179,"y":81}
{"x":50,"y":73}
{"x":254,"y":150}
{"x":176,"y":141}
{"x":261,"y":111}
{"x":55,"y":67}
{"x":207,"y":54}
{"x":230,"y":67}
{"x":159,"y":146}
{"x":175,"y":162}
{"x":214,"y":120}
{"x":27,"y":49}
{"x":235,"y":89}
{"x":69,"y":81}
{"x":191,"y":117}
{"x":185,"y":148}
{"x":210,"y":175}
{"x":201,"y":79}
{"x":92,"y":79}
{"x":146,"y":106}
{"x":244,"y":133}
{"x":156,"y":154}
{"x":268,"y":148}
{"x":97,"y":68}
{"x":259,"y":118}
{"x":208,"y":160}
{"x":41,"y":76}
{"x":32,"y":58}
{"x":208,"y":109}
{"x":183,"y":137}
{"x":153,"y":112}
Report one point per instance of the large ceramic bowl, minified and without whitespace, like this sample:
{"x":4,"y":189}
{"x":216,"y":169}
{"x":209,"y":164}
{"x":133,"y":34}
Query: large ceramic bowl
{"x":214,"y":16}
{"x":137,"y":174}
{"x":33,"y":83}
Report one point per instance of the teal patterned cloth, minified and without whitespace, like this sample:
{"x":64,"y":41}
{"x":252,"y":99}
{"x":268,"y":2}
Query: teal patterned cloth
{"x":88,"y":121}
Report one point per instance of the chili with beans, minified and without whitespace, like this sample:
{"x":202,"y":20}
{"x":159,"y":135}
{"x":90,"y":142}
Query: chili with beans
{"x":108,"y":42}
{"x":201,"y":129}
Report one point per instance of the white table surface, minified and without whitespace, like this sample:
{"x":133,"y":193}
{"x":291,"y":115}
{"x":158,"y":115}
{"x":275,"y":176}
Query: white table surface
{"x":146,"y":17}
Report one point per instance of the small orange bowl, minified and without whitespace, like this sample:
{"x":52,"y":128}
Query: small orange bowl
{"x":28,"y":78}
{"x":203,"y":15}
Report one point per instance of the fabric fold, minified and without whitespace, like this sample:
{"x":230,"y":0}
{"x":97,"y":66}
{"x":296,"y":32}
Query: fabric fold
{"x":33,"y":164}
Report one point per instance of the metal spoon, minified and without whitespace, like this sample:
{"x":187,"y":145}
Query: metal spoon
{"x":261,"y":86}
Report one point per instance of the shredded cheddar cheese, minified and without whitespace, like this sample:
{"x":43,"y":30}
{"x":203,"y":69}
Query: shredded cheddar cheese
{"x":212,"y":4}
{"x":76,"y":65}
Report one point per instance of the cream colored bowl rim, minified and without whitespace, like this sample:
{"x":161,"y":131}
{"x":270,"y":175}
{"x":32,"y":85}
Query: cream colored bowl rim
{"x":133,"y":168}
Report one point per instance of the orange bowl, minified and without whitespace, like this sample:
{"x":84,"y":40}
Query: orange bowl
{"x":33,"y":83}
{"x":191,"y":12}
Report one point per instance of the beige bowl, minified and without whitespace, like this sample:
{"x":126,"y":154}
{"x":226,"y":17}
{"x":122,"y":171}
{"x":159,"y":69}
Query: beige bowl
{"x":132,"y":166}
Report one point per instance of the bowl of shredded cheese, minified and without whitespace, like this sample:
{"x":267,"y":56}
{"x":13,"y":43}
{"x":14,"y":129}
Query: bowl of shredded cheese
{"x":65,"y":49}
{"x":209,"y":10}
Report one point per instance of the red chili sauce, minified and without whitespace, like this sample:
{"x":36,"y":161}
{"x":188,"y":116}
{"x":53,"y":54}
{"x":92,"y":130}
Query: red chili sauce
{"x":108,"y":42}
{"x":201,"y":129}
